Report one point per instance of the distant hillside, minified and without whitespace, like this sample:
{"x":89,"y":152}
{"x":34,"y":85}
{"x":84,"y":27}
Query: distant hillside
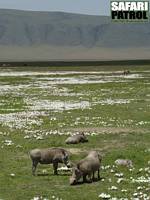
{"x":52,"y":35}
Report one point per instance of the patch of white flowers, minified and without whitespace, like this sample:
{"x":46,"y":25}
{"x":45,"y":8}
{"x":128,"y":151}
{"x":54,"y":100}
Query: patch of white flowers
{"x":39,"y":198}
{"x":56,"y":198}
{"x":141,"y":179}
{"x":8,"y":142}
{"x":113,"y":188}
{"x":105,"y":196}
{"x":119,"y":175}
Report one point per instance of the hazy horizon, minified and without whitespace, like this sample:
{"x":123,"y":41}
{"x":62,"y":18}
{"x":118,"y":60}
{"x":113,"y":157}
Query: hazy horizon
{"x":46,"y":11}
{"x":95,"y":7}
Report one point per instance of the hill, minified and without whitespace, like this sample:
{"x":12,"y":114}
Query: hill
{"x":34,"y":35}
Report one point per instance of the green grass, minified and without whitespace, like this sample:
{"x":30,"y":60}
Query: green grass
{"x":24,"y":185}
{"x":122,"y":131}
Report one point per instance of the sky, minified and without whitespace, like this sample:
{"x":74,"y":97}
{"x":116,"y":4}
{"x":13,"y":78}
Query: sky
{"x":91,"y":7}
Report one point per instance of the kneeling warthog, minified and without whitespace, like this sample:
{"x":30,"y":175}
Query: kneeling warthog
{"x":86,"y":167}
{"x":75,"y":139}
{"x":49,"y":156}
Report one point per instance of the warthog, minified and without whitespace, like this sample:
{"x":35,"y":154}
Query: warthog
{"x":49,"y":156}
{"x":86,"y":167}
{"x":126,"y":72}
{"x":124,"y":162}
{"x":75,"y":139}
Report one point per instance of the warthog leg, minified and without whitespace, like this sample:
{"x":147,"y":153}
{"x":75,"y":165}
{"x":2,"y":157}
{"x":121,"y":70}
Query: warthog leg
{"x":98,"y":175}
{"x":93,"y":178}
{"x":55,"y":166}
{"x":90,"y":178}
{"x":34,"y":165}
{"x":84,"y":179}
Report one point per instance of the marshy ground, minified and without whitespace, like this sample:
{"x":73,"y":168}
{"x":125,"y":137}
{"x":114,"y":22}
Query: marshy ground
{"x":40,"y":107}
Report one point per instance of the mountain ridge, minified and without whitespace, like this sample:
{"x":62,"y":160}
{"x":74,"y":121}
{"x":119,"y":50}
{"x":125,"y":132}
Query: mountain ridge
{"x":60,"y":31}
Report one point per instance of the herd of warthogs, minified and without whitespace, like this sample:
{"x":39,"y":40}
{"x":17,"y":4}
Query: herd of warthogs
{"x":84,"y":168}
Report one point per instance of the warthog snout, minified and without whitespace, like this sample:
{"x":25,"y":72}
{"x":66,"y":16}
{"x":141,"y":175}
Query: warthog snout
{"x":76,"y":175}
{"x":85,"y":140}
{"x":72,"y":181}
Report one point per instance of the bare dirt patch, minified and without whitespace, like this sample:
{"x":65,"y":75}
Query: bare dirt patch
{"x":110,"y":130}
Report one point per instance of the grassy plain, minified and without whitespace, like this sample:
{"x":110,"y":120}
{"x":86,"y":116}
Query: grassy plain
{"x":40,"y":107}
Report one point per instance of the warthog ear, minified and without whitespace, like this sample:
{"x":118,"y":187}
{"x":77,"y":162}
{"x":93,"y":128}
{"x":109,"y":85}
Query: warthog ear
{"x":77,"y":172}
{"x":65,"y":156}
{"x":129,"y":162}
{"x":75,"y":169}
{"x":99,"y":156}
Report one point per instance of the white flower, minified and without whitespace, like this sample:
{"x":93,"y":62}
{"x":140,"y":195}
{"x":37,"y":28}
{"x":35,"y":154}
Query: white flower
{"x":104,"y":196}
{"x":35,"y":198}
{"x":112,"y":171}
{"x":8,"y":142}
{"x":146,"y":169}
{"x":65,"y":168}
{"x":93,"y":134}
{"x":110,"y":180}
{"x":119,"y":174}
{"x":19,"y":146}
{"x":135,"y":194}
{"x":141,"y":179}
{"x":131,"y":169}
{"x":113,"y":188}
{"x":107,"y":167}
{"x":141,"y":169}
{"x":120,"y":180}
{"x":39,"y":198}
{"x":26,"y":137}
{"x":124,"y":190}
{"x":13,"y":175}
{"x":40,"y":137}
{"x":44,"y":171}
{"x":139,"y":188}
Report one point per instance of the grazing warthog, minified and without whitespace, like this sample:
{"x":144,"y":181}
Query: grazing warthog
{"x":124,"y":162}
{"x":126,"y":72}
{"x":49,"y":156}
{"x":86,"y":167}
{"x":75,"y":139}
